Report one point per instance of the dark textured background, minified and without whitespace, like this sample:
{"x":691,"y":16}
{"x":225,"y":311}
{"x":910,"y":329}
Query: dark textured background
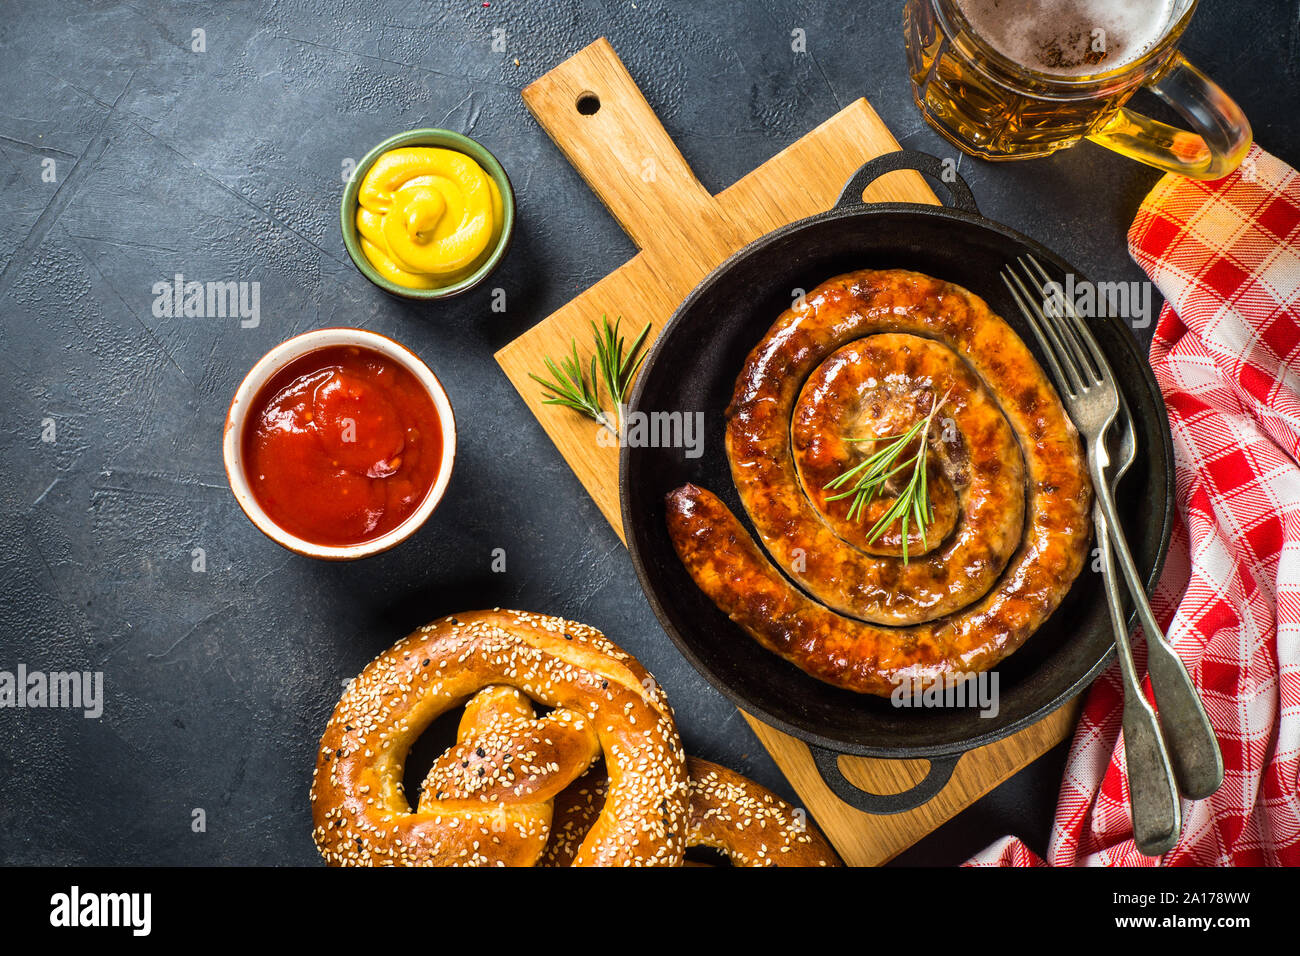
{"x":226,"y":165}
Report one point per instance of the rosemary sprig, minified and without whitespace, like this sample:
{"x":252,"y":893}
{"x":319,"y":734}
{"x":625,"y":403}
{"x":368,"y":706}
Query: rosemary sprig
{"x":867,"y":479}
{"x":570,"y":387}
{"x":617,"y":370}
{"x":612,"y":363}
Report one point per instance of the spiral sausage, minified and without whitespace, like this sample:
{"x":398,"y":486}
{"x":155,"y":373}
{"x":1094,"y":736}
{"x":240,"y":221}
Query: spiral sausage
{"x":865,"y":355}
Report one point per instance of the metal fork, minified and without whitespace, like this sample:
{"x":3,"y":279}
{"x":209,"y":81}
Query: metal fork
{"x":1157,"y":814}
{"x":1088,"y":386}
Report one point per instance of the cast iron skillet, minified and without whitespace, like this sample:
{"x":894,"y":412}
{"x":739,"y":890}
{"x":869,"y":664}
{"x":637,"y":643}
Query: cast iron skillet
{"x":693,"y":368}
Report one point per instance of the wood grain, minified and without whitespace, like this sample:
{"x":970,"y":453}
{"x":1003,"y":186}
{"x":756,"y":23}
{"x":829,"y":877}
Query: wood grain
{"x":630,"y":162}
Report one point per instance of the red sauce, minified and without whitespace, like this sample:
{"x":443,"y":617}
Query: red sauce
{"x":341,"y":446}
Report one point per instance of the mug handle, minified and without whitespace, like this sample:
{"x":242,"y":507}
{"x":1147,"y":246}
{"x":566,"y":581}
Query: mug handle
{"x":1222,"y":135}
{"x":936,"y":778}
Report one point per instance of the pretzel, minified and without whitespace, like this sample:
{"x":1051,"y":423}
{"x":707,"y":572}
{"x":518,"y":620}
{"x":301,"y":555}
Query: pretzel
{"x":488,"y":801}
{"x":749,"y":824}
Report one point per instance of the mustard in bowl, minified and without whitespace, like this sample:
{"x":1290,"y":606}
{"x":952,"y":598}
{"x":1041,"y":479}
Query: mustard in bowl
{"x":427,"y":214}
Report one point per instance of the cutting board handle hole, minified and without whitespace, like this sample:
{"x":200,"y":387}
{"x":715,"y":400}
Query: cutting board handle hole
{"x":588,"y":103}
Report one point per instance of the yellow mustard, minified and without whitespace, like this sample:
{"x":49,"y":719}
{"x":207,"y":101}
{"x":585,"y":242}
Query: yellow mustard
{"x":428,"y":217}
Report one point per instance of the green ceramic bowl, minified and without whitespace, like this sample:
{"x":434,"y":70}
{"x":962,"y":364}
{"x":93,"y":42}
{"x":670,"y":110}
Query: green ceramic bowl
{"x":446,"y":139}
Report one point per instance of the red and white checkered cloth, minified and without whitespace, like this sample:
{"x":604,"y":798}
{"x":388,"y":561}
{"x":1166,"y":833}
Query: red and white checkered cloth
{"x":1226,"y":256}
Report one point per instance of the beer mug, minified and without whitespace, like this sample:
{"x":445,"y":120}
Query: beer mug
{"x":1014,"y":79}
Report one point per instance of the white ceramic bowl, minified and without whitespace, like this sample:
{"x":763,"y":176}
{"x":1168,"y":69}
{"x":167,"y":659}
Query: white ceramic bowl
{"x":264,"y":370}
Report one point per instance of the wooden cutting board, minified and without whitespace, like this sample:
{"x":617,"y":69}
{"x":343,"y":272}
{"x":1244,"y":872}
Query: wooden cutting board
{"x":593,"y":110}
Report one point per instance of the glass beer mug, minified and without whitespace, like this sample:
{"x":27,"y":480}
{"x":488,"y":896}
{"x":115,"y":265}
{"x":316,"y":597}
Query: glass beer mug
{"x":1014,"y":79}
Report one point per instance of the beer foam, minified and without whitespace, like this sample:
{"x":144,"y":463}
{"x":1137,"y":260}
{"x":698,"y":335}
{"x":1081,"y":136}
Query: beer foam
{"x":1069,"y":37}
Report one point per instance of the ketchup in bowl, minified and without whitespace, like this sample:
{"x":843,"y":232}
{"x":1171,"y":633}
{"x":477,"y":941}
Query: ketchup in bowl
{"x":341,"y":445}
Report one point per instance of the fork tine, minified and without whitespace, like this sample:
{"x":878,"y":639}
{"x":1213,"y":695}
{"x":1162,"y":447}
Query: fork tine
{"x":1069,"y":324}
{"x":1064,"y":349}
{"x":1075,"y":331}
{"x":1037,"y":321}
{"x":1059,"y":327}
{"x":1099,"y":361}
{"x":1071,"y":328}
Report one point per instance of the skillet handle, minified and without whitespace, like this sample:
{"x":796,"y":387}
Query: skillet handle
{"x":828,"y":766}
{"x":959,"y":193}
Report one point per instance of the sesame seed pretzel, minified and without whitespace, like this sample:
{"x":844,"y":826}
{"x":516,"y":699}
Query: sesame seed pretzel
{"x":749,"y":824}
{"x":505,"y":755}
{"x":488,"y":800}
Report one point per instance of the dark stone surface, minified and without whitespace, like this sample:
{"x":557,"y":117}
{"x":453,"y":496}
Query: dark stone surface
{"x":227,"y":165}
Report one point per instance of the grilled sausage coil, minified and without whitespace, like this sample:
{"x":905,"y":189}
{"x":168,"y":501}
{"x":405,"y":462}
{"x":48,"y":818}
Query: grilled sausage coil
{"x":860,"y":358}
